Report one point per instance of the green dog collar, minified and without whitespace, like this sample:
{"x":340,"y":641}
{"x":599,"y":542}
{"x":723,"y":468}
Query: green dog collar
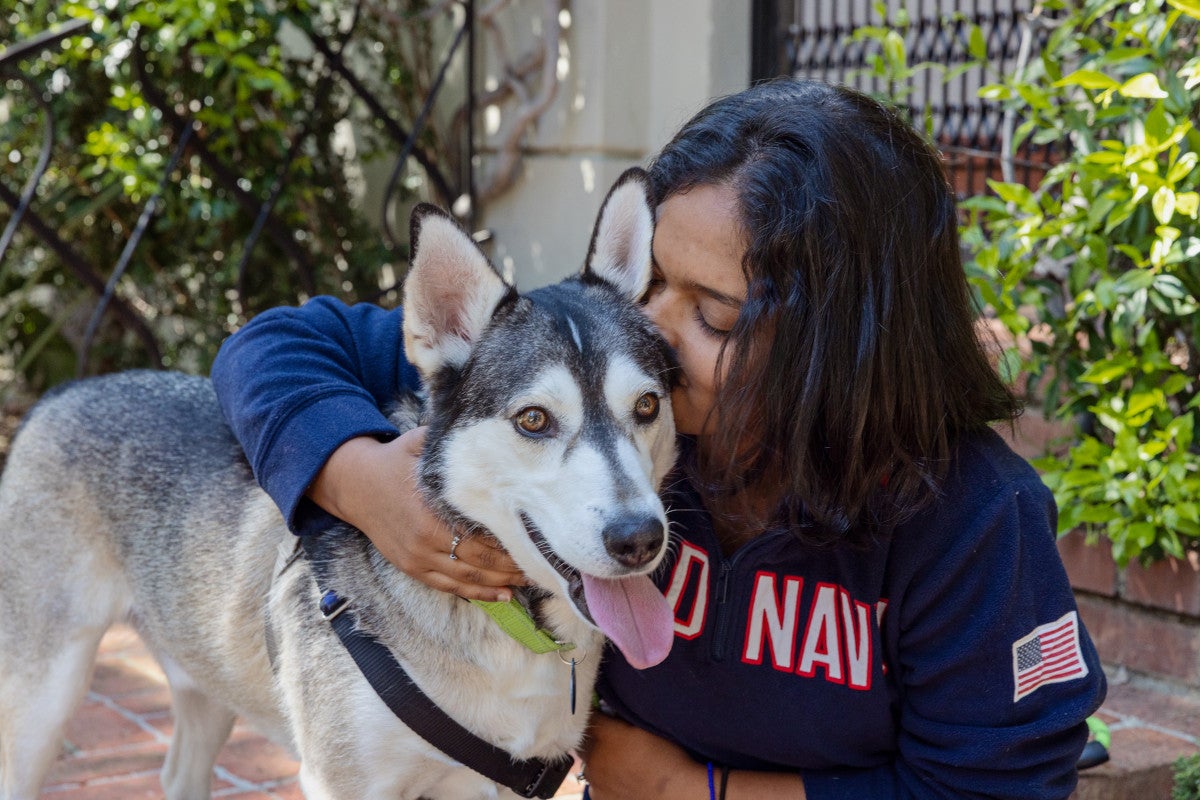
{"x":514,"y":620}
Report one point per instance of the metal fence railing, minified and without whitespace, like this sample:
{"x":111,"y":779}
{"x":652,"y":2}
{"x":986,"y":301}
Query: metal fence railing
{"x":813,"y":39}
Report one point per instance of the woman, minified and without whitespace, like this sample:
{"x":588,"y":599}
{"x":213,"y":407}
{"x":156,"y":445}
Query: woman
{"x":869,"y":602}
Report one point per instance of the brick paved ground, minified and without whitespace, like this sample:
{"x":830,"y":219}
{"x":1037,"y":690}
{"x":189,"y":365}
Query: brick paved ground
{"x":116,"y":741}
{"x":1151,"y":726}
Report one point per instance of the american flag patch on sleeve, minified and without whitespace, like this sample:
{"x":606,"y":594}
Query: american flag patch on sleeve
{"x":1049,"y":654}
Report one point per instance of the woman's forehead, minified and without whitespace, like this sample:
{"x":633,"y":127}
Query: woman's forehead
{"x":699,"y":239}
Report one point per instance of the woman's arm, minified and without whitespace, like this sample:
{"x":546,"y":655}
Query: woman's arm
{"x":296,"y":383}
{"x":302,"y":389}
{"x":985,"y":711}
{"x":623,"y":762}
{"x":372,"y":485}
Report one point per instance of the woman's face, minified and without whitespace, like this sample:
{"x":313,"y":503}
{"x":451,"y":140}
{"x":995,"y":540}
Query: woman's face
{"x":696,"y":291}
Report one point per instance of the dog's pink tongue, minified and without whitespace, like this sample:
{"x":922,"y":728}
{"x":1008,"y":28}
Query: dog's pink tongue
{"x":634,"y":614}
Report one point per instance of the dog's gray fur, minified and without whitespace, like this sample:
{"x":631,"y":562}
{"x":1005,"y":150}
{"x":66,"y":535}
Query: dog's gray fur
{"x":126,"y":497}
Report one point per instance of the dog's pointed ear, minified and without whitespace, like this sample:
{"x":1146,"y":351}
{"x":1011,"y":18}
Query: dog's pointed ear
{"x":450,"y":292}
{"x":620,"y":250}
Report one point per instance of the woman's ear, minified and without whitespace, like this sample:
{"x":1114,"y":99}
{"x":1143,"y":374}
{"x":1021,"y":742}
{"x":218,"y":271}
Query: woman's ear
{"x":620,"y":252}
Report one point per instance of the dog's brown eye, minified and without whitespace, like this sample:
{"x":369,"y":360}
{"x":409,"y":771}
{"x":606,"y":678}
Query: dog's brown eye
{"x":533,"y":420}
{"x":646,"y":407}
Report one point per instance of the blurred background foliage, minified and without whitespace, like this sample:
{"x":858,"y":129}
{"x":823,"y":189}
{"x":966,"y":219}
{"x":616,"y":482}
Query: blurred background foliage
{"x":1094,"y":270}
{"x":268,"y":122}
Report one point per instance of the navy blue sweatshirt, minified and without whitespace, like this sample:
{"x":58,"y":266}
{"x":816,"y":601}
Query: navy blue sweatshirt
{"x":943,"y":660}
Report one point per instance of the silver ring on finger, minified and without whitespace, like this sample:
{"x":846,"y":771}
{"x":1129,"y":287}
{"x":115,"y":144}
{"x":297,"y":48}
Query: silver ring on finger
{"x":454,"y":543}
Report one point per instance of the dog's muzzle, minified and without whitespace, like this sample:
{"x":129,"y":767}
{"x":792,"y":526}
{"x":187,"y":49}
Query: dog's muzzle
{"x":569,"y":574}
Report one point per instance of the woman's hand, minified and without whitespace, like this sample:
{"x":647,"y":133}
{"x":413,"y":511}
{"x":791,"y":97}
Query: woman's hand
{"x":623,"y":762}
{"x":373,"y":486}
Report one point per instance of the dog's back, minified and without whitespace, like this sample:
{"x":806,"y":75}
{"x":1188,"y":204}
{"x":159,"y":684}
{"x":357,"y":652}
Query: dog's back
{"x":95,"y":465}
{"x":128,"y":460}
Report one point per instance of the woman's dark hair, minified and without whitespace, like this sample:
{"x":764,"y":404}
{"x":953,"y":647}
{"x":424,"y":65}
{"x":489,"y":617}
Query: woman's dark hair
{"x":871,"y":364}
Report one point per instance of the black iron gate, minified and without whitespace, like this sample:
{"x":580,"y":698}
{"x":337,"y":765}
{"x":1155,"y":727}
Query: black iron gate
{"x":813,"y":39}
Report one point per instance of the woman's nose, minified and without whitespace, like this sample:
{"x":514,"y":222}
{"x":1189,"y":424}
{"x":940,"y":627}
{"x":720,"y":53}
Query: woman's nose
{"x":657,"y":309}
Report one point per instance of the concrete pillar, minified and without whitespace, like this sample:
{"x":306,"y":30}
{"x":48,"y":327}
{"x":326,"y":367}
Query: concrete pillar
{"x":633,"y":71}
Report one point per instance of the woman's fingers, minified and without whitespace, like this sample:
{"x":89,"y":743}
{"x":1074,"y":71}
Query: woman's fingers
{"x":481,"y":569}
{"x":373,"y":485}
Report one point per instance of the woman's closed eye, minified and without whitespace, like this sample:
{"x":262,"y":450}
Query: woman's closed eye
{"x":709,"y":329}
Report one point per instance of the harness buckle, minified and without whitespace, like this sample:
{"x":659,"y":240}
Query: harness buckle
{"x":547,"y":781}
{"x":331,"y":605}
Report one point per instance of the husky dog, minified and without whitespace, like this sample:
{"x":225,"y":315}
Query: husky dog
{"x":126,"y":497}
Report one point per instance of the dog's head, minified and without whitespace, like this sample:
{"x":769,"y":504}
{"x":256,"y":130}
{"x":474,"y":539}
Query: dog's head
{"x":550,"y":413}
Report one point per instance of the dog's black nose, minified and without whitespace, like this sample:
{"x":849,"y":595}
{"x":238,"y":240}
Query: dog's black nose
{"x":634,"y":541}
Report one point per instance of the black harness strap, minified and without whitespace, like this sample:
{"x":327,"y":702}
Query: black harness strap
{"x":528,"y":778}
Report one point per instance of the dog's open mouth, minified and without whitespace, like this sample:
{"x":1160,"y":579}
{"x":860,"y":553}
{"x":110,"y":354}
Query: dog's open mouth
{"x":571,"y":575}
{"x":631,"y":611}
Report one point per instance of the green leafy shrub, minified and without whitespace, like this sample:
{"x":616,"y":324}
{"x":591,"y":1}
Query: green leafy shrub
{"x":248,"y":78}
{"x":1187,"y":778}
{"x":1097,"y":267}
